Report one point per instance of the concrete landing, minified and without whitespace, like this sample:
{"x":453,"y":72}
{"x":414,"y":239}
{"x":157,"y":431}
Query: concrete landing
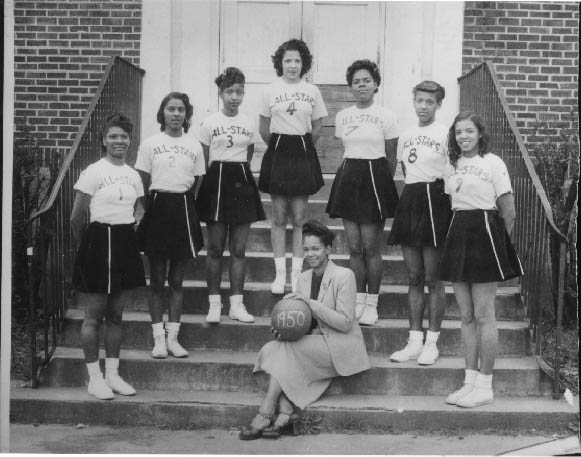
{"x":93,"y":439}
{"x":214,"y":409}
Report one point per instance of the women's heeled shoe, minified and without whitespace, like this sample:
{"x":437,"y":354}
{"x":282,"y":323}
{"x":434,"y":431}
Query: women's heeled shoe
{"x":285,"y":424}
{"x":257,"y":426}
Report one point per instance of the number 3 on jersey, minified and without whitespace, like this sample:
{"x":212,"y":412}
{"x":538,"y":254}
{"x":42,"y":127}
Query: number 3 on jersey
{"x":291,"y":108}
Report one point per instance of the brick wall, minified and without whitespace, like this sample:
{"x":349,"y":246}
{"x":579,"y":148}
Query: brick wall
{"x":61,"y":49}
{"x":535,"y":49}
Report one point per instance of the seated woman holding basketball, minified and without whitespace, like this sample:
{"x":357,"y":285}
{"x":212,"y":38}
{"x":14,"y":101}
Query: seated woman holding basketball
{"x":300,"y":371}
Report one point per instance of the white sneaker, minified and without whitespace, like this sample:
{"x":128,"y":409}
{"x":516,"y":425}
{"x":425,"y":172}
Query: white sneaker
{"x":412,"y":351}
{"x":458,"y":394}
{"x":238,"y":313}
{"x":277,"y":287}
{"x":175,"y":349}
{"x":214,"y":313}
{"x":99,"y":389}
{"x":160,"y":349}
{"x":369,"y":316}
{"x":477,"y":397}
{"x":119,"y":385}
{"x":429,"y":354}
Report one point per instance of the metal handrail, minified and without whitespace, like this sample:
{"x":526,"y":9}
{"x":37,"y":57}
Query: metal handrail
{"x":50,"y":246}
{"x":481,"y":91}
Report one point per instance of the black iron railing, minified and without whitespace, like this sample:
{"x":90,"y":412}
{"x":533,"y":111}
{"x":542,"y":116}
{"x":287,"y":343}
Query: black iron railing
{"x":535,"y":232}
{"x":50,"y":244}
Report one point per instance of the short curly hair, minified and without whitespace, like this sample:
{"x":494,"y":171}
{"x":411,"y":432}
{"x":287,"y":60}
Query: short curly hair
{"x":116,"y":120}
{"x":364,"y":64}
{"x":454,"y":151}
{"x":231,"y":76}
{"x":189,"y":109}
{"x":321,"y":231}
{"x":293,"y":45}
{"x":430,"y":87}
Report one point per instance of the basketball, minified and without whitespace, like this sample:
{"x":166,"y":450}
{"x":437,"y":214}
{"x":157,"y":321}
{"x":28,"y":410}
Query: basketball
{"x":291,"y":318}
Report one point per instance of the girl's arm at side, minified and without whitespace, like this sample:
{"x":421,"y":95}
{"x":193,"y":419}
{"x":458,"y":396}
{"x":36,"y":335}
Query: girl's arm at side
{"x":250,"y":153}
{"x":264,"y":128}
{"x":80,"y":206}
{"x":391,"y":155}
{"x":317,"y":129}
{"x":507,"y":210}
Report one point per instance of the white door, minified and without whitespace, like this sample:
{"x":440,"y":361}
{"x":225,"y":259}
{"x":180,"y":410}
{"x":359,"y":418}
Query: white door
{"x":337,"y":33}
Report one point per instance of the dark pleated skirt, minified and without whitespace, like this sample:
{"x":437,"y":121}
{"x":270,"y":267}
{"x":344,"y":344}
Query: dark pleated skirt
{"x":229,"y":194}
{"x":363,"y":191}
{"x":170,"y":228}
{"x":478,"y":249}
{"x":423,"y":215}
{"x":108,"y":260}
{"x":290,"y":166}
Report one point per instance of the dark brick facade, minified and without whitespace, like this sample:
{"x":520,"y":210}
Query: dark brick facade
{"x":61,"y":49}
{"x":535,"y":49}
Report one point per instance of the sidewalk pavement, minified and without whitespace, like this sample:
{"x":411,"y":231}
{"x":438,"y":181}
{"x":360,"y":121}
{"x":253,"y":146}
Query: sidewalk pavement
{"x":80,"y":439}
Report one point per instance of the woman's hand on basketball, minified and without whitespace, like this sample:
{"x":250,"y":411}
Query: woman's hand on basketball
{"x":277,"y":335}
{"x":295,"y":296}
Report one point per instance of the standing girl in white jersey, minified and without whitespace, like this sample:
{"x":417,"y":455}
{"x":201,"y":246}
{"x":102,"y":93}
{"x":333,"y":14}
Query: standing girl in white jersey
{"x":169,"y":164}
{"x":422,"y":219}
{"x":363,"y":192}
{"x":478,"y":251}
{"x":228,"y":201}
{"x":108,"y":265}
{"x":291,"y":119}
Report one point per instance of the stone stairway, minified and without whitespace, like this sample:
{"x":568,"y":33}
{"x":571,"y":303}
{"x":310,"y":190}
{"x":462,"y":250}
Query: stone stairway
{"x":215,"y":388}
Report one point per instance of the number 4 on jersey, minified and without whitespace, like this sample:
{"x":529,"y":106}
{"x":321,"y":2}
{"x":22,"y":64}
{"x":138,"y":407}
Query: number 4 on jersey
{"x":291,"y":108}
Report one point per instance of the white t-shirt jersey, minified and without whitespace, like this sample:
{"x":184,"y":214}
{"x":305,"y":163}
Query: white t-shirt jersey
{"x":114,"y":190}
{"x":422,"y":150}
{"x":228,"y":137}
{"x":477,"y":182}
{"x":292,"y":107}
{"x":173,"y":163}
{"x":364,"y":131}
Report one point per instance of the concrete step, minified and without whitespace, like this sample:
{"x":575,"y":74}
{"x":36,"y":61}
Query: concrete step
{"x":341,"y":414}
{"x":232,"y":371}
{"x":259,"y":238}
{"x":315,"y":210}
{"x":260,"y":268}
{"x":259,"y":300}
{"x":389,"y":335}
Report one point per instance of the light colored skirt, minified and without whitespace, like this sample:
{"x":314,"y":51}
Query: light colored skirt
{"x":303,"y":368}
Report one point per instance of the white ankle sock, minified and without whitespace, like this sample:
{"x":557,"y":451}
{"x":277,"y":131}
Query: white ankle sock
{"x":470,"y":376}
{"x":297,"y":264}
{"x":158,"y":329}
{"x":236,"y":299}
{"x":215,"y":299}
{"x":280,"y":264}
{"x":483,"y":381}
{"x":372,"y":299}
{"x":94,"y":369}
{"x":416,"y":335}
{"x":361,"y":298}
{"x":111,"y":366}
{"x":432,"y":336}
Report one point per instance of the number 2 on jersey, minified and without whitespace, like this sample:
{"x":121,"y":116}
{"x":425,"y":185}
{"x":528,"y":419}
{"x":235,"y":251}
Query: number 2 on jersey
{"x":291,"y":108}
